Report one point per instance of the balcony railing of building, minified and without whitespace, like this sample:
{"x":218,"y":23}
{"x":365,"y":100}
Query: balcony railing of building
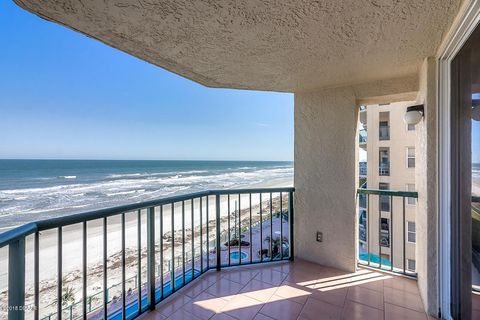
{"x":175,"y":240}
{"x":362,"y":136}
{"x":384,"y":133}
{"x":384,"y":169}
{"x":379,"y":245}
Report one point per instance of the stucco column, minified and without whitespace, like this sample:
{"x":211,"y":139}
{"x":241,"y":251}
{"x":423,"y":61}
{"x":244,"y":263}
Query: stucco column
{"x":325,"y":176}
{"x":426,"y":183}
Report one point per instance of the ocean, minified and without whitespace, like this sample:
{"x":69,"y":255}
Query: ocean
{"x":38,"y":189}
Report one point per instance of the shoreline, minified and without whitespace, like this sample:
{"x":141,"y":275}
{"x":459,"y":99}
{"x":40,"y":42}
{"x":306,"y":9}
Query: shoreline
{"x":276,"y":183}
{"x":72,"y":245}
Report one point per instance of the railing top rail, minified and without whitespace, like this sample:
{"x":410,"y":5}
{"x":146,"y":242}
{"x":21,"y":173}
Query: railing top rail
{"x":17,"y":233}
{"x":29,"y":228}
{"x":410,"y":194}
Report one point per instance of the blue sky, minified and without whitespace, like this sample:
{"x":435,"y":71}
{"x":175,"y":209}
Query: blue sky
{"x":66,"y":96}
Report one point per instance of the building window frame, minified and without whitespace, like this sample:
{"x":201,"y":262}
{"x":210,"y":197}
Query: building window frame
{"x":409,"y":157}
{"x":411,"y":232}
{"x":409,"y":267}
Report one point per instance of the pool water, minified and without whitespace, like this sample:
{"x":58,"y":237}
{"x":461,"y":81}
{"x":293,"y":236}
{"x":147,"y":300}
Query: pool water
{"x":235,"y":255}
{"x":374,"y":258}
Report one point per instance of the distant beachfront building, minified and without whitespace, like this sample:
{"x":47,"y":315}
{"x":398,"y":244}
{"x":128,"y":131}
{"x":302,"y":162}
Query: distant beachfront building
{"x":390,"y":165}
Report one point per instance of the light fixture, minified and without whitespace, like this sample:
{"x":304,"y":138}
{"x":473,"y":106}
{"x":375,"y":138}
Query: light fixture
{"x":414,"y":114}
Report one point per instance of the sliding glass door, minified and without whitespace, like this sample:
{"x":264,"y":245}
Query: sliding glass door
{"x":465,"y":161}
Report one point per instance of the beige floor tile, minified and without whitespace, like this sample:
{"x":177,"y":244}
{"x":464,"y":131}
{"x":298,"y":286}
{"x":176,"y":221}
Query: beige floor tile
{"x":373,"y":284}
{"x":281,"y":308}
{"x":224,"y":289}
{"x":260,"y":316}
{"x":182,"y":315}
{"x":222,"y":316}
{"x":172,"y":304}
{"x":293,"y":292}
{"x":259,"y":290}
{"x":196,"y":288}
{"x":154,"y":315}
{"x":354,"y":311}
{"x":401,"y":283}
{"x":365,"y":296}
{"x":205,"y":305}
{"x":393,"y":312}
{"x":242,"y":307}
{"x":336,"y":297}
{"x":284,"y":267}
{"x":270,"y":276}
{"x":403,"y":299}
{"x":319,"y":310}
{"x":240,"y":276}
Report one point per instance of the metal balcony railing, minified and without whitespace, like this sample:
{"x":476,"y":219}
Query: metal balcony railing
{"x":377,"y":236}
{"x":211,"y":235}
{"x":362,"y":136}
{"x":384,"y":169}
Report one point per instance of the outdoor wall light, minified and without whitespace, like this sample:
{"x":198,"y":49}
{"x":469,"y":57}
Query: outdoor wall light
{"x":414,"y":114}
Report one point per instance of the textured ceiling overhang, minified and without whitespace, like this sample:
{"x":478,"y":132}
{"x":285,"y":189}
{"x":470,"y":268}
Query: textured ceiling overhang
{"x":288,"y":45}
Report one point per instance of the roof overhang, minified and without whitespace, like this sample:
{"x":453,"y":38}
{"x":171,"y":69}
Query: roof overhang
{"x":290,"y":45}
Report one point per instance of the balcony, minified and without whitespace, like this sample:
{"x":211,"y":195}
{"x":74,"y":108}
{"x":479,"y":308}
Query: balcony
{"x":231,"y":262}
{"x":293,"y":290}
{"x":382,"y":231}
{"x":146,"y":251}
{"x":384,"y":169}
{"x":362,"y":139}
{"x":384,"y":133}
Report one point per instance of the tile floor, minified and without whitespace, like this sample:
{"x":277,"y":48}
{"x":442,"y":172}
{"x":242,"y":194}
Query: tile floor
{"x":293,"y":290}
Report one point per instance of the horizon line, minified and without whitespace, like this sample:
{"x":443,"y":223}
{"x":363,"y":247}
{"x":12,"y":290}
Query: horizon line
{"x":85,"y":159}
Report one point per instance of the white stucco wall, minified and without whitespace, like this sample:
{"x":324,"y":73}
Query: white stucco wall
{"x":426,"y":177}
{"x":325,"y":177}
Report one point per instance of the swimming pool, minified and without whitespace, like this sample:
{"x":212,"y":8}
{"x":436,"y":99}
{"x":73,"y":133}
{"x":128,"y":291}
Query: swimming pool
{"x":374,"y":258}
{"x":235,"y":255}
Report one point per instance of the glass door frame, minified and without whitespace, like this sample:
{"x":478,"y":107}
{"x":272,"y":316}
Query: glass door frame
{"x":462,"y":28}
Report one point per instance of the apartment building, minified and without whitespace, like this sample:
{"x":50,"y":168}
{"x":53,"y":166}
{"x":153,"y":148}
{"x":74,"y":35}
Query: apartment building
{"x":390,"y":147}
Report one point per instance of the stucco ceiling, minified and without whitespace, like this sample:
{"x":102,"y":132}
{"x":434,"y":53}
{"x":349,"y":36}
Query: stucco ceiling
{"x":288,"y":45}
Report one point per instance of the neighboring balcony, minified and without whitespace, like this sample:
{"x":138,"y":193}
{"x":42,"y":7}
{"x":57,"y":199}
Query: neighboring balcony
{"x":362,"y":139}
{"x":384,"y":169}
{"x":384,"y":133}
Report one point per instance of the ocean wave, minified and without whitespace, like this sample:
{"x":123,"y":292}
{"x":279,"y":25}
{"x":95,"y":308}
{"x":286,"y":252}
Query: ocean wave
{"x":67,"y":177}
{"x":120,"y":189}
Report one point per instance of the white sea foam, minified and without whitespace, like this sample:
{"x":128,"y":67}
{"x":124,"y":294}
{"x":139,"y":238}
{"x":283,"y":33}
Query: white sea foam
{"x":116,"y":189}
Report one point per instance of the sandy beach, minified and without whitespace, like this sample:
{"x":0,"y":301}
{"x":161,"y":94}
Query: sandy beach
{"x":72,"y":245}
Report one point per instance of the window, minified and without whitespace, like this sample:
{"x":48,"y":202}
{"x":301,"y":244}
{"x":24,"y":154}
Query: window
{"x":385,"y":232}
{"x":384,"y":200}
{"x":411,"y":233}
{"x":384,"y":131}
{"x":410,"y":127}
{"x":384,"y":162}
{"x":410,"y":157}
{"x":411,"y":201}
{"x":411,"y":264}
